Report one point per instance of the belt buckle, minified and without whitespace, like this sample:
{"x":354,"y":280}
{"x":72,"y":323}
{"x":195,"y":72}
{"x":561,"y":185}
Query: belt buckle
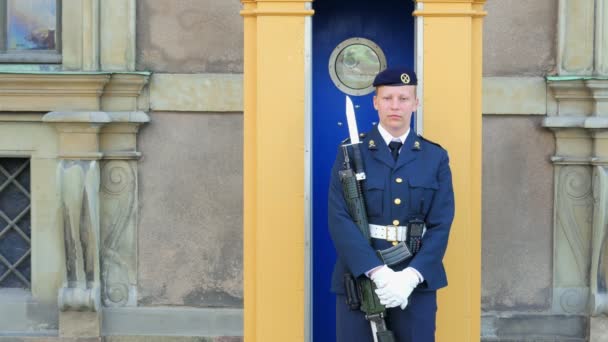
{"x":394,"y":230}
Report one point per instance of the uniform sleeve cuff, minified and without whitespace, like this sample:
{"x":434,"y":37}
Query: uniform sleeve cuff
{"x":420,"y":277}
{"x":369,"y":273}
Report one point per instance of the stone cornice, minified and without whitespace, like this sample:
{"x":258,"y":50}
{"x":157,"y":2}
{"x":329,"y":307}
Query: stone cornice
{"x":89,"y":134}
{"x":281,"y":8}
{"x":70,"y":91}
{"x":45,"y":92}
{"x":580,"y":95}
{"x":473,"y":11}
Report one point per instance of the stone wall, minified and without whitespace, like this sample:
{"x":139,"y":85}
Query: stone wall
{"x":519,"y":39}
{"x":190,"y":232}
{"x":190,"y":235}
{"x":189,"y":36}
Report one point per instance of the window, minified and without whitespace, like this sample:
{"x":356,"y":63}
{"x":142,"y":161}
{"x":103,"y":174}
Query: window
{"x":30,"y":31}
{"x":15,"y":225}
{"x":353,"y":65}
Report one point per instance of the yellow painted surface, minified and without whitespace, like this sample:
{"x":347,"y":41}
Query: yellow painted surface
{"x":274,"y":170}
{"x":452,"y":117}
{"x":274,"y":139}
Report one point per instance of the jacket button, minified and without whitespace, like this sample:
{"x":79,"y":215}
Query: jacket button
{"x":395,"y":222}
{"x":397,"y":201}
{"x":399,"y":180}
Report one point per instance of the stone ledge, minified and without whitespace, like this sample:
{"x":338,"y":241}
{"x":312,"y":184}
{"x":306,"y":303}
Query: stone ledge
{"x":21,"y":313}
{"x":169,"y":321}
{"x":502,"y":327}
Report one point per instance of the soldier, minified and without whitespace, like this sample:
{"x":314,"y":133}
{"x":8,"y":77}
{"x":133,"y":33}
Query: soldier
{"x":408,"y":178}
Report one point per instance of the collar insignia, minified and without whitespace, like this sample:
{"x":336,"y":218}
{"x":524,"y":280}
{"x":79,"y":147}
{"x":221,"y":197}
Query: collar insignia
{"x":417,"y":145}
{"x":371,"y":145}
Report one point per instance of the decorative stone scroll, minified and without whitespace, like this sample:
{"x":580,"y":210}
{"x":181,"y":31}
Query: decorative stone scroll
{"x":119,"y":202}
{"x":574,"y":205}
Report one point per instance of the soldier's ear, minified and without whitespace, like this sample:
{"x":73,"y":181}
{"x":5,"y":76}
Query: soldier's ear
{"x":375,"y":102}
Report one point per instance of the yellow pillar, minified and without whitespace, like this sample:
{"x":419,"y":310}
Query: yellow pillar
{"x":274,"y":83}
{"x":452,"y":116}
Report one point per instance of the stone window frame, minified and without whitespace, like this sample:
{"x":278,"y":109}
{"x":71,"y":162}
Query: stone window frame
{"x":35,"y":57}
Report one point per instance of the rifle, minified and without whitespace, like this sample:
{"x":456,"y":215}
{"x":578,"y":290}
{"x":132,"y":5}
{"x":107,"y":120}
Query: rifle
{"x":360,"y":292}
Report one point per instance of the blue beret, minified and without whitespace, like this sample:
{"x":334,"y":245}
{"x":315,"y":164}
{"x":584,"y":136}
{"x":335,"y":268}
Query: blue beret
{"x":395,"y":77}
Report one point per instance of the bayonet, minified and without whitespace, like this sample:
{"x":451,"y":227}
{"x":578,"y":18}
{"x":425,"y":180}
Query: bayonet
{"x":353,"y":132}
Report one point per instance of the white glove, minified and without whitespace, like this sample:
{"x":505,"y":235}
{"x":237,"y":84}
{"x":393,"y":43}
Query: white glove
{"x":381,"y":276}
{"x":395,"y":288}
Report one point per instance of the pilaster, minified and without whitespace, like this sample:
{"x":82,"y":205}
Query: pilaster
{"x":575,"y":37}
{"x":96,"y":177}
{"x":78,"y":182}
{"x":80,"y":35}
{"x":601,"y":38}
{"x":452,"y":117}
{"x":117,"y":37}
{"x":274,"y":51}
{"x":580,"y":125}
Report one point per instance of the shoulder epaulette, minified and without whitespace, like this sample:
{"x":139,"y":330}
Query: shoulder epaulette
{"x":429,"y":141}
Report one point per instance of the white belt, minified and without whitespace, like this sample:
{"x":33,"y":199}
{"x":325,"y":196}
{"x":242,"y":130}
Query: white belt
{"x":389,"y":233}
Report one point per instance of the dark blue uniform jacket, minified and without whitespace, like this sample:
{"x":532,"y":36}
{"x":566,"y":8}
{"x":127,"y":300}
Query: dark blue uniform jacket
{"x":421,"y":180}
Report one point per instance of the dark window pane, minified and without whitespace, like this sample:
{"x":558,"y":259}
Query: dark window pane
{"x":24,"y":224}
{"x":3,"y":268}
{"x":11,"y":165}
{"x":24,"y":268}
{"x":13,"y":201}
{"x":24,"y":179}
{"x":13,"y":281}
{"x":31,"y":24}
{"x":13,"y":246}
{"x":15,"y":236}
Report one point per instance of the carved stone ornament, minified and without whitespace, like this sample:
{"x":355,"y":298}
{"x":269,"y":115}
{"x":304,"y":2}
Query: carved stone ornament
{"x":118,"y":221}
{"x":574,"y":209}
{"x":599,"y":256}
{"x":78,"y":181}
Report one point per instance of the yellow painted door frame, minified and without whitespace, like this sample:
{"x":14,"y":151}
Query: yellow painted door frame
{"x":275,"y":104}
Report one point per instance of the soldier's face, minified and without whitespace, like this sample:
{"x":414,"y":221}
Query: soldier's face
{"x":395,"y":105}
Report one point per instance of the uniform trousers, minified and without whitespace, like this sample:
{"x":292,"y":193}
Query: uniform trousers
{"x":414,"y":324}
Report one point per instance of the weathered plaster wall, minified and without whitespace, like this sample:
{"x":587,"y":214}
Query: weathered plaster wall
{"x":517,"y":214}
{"x":189,"y":36}
{"x":519,"y":38}
{"x":190,"y":227}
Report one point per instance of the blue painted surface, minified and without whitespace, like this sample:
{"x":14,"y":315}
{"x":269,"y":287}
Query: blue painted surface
{"x":389,"y":24}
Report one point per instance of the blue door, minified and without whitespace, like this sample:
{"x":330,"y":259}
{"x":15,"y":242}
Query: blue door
{"x":390,"y":25}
